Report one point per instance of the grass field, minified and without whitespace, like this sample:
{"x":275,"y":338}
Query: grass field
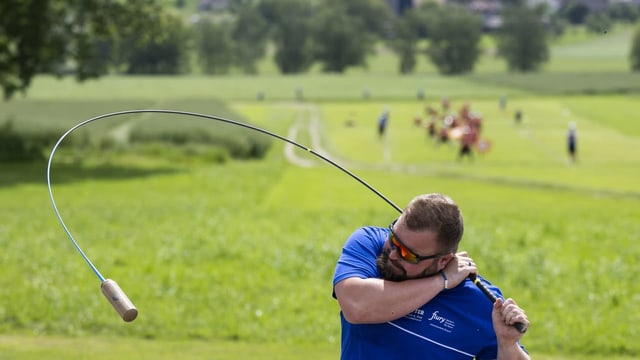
{"x":231,"y":261}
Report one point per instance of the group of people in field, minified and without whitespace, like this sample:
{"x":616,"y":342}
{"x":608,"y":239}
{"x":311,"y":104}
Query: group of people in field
{"x":446,"y":127}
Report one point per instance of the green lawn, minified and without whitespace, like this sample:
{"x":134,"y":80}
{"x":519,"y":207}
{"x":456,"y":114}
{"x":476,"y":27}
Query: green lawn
{"x":105,"y":348}
{"x":235,"y":260}
{"x":183,"y":257}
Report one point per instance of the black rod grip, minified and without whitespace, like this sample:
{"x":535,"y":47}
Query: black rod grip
{"x":519,"y":326}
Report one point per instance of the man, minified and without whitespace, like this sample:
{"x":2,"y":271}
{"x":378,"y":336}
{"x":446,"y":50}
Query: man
{"x":571,"y":141}
{"x":382,"y":122}
{"x":404,"y":292}
{"x":467,"y":140}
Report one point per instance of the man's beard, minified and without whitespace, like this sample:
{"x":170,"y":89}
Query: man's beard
{"x":392,"y":270}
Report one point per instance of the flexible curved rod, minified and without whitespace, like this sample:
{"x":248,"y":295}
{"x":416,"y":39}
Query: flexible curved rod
{"x":178,"y":112}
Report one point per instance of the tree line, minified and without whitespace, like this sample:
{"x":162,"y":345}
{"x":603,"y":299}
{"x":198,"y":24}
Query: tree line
{"x":93,"y":38}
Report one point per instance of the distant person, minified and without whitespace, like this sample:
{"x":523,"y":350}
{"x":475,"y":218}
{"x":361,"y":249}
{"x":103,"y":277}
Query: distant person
{"x":431,"y":129}
{"x":518,"y":116}
{"x":502,"y":102}
{"x":572,"y":139}
{"x":475,"y":121}
{"x":417,"y":120}
{"x":443,"y":135}
{"x":299,"y":93}
{"x":465,"y":112}
{"x":351,"y":120}
{"x":431,"y":124}
{"x":446,"y":104}
{"x":431,"y":111}
{"x":468,"y":139}
{"x":382,"y":122}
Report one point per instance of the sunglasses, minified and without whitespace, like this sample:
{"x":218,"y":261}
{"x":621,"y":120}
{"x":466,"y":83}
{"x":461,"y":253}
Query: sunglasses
{"x":405,"y":253}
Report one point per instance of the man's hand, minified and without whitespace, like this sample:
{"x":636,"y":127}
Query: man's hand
{"x":504,"y":315}
{"x":459,"y":268}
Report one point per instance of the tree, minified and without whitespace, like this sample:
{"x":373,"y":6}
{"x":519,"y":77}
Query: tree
{"x":408,"y":29}
{"x":339,"y":41}
{"x":345,"y":32}
{"x":213,"y":46}
{"x":375,"y":15}
{"x":575,"y":11}
{"x":291,"y":31}
{"x":455,"y":39}
{"x":625,"y":12}
{"x":598,"y":23}
{"x":250,"y":36}
{"x":522,"y":39}
{"x":420,"y":17}
{"x":404,"y":42}
{"x":161,"y":49}
{"x":64,"y":36}
{"x":635,"y":50}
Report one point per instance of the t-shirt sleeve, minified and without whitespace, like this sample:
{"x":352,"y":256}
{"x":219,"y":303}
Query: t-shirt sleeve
{"x":359,"y":254}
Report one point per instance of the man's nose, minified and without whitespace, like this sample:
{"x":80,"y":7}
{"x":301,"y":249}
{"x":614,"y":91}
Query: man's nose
{"x":394,"y":253}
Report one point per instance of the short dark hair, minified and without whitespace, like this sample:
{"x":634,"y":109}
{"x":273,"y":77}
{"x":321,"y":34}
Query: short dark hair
{"x":437,"y":213}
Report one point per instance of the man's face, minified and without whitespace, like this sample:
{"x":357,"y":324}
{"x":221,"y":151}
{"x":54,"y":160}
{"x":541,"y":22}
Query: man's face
{"x":408,"y":244}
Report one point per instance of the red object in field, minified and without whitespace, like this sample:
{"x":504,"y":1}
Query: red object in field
{"x":483,"y":145}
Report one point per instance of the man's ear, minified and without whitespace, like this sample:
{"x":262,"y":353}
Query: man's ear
{"x":444,"y":260}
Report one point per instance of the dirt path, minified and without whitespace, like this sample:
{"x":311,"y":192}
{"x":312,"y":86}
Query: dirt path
{"x":307,"y":121}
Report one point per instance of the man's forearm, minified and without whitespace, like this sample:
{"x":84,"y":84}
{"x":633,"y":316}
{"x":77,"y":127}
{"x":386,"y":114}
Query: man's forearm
{"x":369,"y":301}
{"x":512,"y":352}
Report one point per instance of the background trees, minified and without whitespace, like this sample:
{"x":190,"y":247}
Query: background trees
{"x":91,"y":38}
{"x":162,"y":48}
{"x":522,"y":39}
{"x":290,"y":30}
{"x":65,"y":36}
{"x":345,"y":32}
{"x":408,"y":29}
{"x":250,"y":37}
{"x":455,"y":38}
{"x":635,"y":50}
{"x":214,"y":46}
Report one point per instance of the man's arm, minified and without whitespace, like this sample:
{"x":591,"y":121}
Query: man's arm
{"x":368,"y":301}
{"x":373,"y":300}
{"x":512,"y":352}
{"x":505,"y":314}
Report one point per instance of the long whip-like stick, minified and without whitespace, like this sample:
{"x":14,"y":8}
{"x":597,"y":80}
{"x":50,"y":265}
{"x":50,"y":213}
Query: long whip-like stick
{"x":110,"y":288}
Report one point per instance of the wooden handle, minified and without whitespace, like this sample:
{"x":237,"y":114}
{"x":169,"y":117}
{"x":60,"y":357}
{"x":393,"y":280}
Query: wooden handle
{"x":119,"y":300}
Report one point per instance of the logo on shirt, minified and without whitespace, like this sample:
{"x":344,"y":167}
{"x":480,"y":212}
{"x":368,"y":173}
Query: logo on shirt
{"x":438,"y":321}
{"x":416,"y":315}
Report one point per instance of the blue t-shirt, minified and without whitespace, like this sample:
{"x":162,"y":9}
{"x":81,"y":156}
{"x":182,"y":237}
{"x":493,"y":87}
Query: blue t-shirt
{"x":456,"y":324}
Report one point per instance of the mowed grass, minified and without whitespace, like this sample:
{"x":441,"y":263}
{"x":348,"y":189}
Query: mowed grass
{"x":245,"y":251}
{"x":236,"y":260}
{"x":108,"y":348}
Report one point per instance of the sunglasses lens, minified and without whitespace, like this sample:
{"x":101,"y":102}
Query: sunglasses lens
{"x":408,"y":256}
{"x":405,"y":254}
